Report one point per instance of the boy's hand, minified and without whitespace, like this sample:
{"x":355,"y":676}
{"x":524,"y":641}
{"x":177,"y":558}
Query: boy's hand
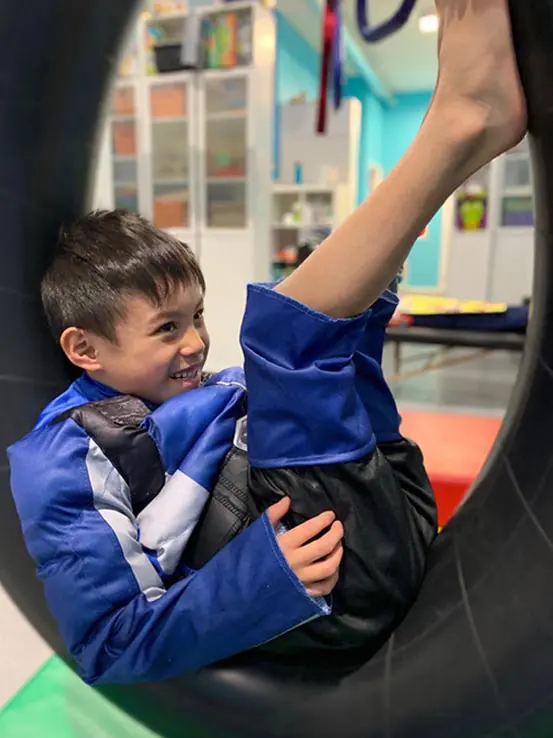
{"x":315,"y":563}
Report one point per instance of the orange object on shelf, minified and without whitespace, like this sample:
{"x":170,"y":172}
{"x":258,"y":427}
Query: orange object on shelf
{"x":229,"y":53}
{"x":124,"y":139}
{"x":168,"y":101}
{"x":123,"y":101}
{"x":170,"y":213}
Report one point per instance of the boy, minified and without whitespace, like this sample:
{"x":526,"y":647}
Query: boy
{"x":107,"y":571}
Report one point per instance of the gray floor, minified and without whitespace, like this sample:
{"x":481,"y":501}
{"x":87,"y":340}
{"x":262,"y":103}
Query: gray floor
{"x":481,"y":384}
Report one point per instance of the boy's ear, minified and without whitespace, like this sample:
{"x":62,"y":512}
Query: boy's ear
{"x":78,"y":345}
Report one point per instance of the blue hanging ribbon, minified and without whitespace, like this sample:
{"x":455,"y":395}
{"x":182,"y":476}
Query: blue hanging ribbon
{"x":372,"y":34}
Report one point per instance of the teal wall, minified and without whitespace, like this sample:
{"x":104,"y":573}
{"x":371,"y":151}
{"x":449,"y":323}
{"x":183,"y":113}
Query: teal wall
{"x":386,"y":133}
{"x":296,"y":71}
{"x":372,"y":130}
{"x":401,"y":123}
{"x":297,"y":64}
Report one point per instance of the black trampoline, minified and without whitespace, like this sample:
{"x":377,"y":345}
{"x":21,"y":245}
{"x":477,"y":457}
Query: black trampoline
{"x":475,"y":656}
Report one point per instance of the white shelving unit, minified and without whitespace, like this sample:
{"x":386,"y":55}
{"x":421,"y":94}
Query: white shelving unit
{"x":191,"y":150}
{"x":493,"y":258}
{"x":331,"y":160}
{"x":299,"y":213}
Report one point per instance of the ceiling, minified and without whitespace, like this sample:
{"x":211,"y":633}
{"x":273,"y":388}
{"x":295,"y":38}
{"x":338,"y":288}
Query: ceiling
{"x":405,"y":62}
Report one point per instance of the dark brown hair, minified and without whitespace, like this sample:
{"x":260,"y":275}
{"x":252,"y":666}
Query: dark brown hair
{"x":104,"y":257}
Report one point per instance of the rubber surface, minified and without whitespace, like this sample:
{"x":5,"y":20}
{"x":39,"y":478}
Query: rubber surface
{"x":475,"y":655}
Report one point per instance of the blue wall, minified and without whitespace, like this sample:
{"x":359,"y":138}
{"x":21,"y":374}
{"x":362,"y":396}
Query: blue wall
{"x":297,"y":64}
{"x":386,"y":133}
{"x":372,"y":129}
{"x":401,"y":123}
{"x":296,"y":71}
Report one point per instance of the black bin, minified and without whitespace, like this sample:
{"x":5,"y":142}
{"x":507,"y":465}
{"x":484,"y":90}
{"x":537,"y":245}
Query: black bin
{"x":168,"y":58}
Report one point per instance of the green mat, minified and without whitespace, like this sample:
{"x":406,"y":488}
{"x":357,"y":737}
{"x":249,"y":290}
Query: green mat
{"x":57,"y":704}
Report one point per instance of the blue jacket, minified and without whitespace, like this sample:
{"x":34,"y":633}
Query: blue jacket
{"x":108,"y":576}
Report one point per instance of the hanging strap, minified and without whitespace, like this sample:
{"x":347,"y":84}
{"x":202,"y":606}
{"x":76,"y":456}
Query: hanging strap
{"x":337,"y":67}
{"x":372,"y":34}
{"x":329,"y":33}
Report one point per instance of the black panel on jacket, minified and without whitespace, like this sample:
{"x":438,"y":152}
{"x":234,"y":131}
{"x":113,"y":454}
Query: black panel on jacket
{"x":115,"y":425}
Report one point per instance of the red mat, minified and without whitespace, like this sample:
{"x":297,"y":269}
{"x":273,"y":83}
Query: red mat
{"x":455,"y":448}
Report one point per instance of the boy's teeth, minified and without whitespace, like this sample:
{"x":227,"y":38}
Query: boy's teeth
{"x":188,"y":374}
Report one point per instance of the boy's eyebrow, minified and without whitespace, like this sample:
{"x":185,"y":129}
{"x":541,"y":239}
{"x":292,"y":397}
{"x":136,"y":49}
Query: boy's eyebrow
{"x":164,"y":314}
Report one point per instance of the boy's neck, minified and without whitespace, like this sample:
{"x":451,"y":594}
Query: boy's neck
{"x":96,"y":387}
{"x":97,"y":390}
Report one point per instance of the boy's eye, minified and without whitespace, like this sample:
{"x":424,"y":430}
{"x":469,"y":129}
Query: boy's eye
{"x":168,"y":327}
{"x":199,"y":315}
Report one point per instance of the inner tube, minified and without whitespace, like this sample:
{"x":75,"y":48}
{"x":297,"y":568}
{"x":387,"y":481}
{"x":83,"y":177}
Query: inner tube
{"x":474,"y":656}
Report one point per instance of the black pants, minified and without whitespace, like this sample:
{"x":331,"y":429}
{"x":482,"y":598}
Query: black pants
{"x":388,"y":510}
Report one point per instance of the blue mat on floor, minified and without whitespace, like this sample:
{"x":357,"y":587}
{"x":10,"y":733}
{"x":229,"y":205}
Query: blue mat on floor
{"x":513,"y":320}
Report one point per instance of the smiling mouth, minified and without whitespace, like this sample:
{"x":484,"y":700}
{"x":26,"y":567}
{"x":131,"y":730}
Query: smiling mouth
{"x":187,"y":374}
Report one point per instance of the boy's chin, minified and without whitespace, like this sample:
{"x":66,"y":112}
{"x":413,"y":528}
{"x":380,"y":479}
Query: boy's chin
{"x":178,"y":386}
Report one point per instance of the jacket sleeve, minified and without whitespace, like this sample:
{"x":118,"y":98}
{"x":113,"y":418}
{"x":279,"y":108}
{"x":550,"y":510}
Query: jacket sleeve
{"x":303,"y":404}
{"x":114,"y":613}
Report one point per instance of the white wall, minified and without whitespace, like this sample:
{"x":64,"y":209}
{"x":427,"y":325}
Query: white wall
{"x":22,"y":650}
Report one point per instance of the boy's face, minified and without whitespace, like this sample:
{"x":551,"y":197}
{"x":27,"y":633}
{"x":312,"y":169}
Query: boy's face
{"x":160,"y":351}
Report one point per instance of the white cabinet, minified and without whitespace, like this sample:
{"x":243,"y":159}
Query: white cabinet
{"x":468,"y":266}
{"x":224,"y":145}
{"x":168,"y":145}
{"x":153,"y":132}
{"x":331,"y":160}
{"x":192,"y":151}
{"x":302,"y":214}
{"x":512,"y":267}
{"x":125,"y":153}
{"x":491,"y":245}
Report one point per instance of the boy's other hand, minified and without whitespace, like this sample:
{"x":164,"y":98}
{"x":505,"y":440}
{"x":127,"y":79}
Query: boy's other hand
{"x":316,"y":563}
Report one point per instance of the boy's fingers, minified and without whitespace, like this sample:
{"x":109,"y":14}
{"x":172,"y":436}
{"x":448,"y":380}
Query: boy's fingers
{"x":277,"y":511}
{"x":306,"y":531}
{"x":325,"y":569}
{"x":324,"y":588}
{"x":323,"y":546}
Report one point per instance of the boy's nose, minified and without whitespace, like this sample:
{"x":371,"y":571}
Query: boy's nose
{"x":192,"y":344}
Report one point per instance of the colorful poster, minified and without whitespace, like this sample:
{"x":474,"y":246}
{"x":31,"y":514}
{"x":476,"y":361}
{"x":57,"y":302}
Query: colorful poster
{"x":471,"y":210}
